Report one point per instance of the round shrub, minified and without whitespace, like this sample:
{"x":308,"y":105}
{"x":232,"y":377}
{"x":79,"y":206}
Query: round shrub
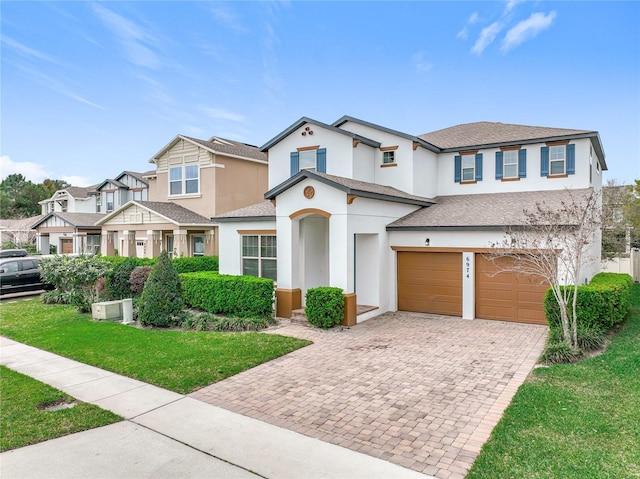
{"x":325,"y":306}
{"x":138,"y":278}
{"x":118,"y":282}
{"x":161,"y":300}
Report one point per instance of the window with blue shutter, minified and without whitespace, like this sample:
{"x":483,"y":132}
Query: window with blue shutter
{"x":457,"y":168}
{"x":295,"y":162}
{"x":522,"y":163}
{"x":544,"y":161}
{"x":571,"y":159}
{"x":478,"y":166}
{"x":321,"y":160}
{"x":498,"y":165}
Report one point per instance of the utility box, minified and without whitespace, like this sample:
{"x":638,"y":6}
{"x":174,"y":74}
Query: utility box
{"x":108,"y":310}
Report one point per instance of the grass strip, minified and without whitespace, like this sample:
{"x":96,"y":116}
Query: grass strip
{"x":24,"y":421}
{"x":181,"y":361}
{"x":574,"y":420}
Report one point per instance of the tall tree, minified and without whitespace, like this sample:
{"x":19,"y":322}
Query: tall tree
{"x":19,"y":197}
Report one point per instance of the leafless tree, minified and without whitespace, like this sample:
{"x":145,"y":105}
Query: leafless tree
{"x":553,"y":242}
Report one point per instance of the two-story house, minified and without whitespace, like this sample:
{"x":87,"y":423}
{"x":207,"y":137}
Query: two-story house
{"x":111,"y":194}
{"x":193,"y":180}
{"x":400,"y":222}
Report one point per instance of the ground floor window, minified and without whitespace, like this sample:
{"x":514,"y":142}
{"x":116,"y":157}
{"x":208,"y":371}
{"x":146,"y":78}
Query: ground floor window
{"x":93,"y":244}
{"x":197,"y":245}
{"x":259,"y":256}
{"x":169,"y":243}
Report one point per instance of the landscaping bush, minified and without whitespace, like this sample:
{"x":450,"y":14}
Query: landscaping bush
{"x":161,"y":300}
{"x":559,"y":352}
{"x":138,"y":278}
{"x":197,"y":263}
{"x":74,"y":279}
{"x":242,"y":296}
{"x":118,"y":279}
{"x":209,"y":322}
{"x":325,"y":306}
{"x":603,"y":303}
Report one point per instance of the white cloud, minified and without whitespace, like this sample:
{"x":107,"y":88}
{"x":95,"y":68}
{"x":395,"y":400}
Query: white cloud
{"x":31,"y":171}
{"x":486,"y":38}
{"x":27,"y":51}
{"x":222,"y":114}
{"x":527,"y":29}
{"x":134,"y":39}
{"x":420,"y":63}
{"x":511,"y":5}
{"x":464,"y":33}
{"x":228,"y":18}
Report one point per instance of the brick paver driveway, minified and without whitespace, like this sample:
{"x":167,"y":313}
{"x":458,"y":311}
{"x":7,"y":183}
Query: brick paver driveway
{"x":422,"y":391}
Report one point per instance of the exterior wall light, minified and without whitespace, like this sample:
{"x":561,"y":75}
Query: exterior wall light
{"x":426,"y":242}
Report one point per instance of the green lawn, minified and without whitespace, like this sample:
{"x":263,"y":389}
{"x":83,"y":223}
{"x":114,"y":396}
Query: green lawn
{"x":23,"y":420}
{"x":181,"y":361}
{"x":574,"y":421}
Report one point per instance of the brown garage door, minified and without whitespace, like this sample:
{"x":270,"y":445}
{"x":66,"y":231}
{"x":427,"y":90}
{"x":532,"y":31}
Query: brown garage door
{"x":430,"y":282}
{"x":66,"y":245}
{"x":508,"y":296}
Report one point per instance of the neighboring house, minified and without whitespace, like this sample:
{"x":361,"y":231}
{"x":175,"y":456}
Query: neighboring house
{"x":68,"y":233}
{"x":111,"y":194}
{"x":19,"y":231}
{"x":398,"y":221}
{"x":194,"y":180}
{"x":73,"y":199}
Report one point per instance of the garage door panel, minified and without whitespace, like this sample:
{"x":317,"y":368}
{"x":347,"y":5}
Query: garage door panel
{"x":430,"y":282}
{"x":508,"y":296}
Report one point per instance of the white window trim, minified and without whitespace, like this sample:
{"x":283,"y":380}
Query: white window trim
{"x":391,"y":154}
{"x":504,"y":164}
{"x":193,"y":245}
{"x":472,"y":168}
{"x":563,"y":160}
{"x":183,"y":181}
{"x":259,"y":257}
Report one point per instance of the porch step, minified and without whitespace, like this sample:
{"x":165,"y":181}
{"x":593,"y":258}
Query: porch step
{"x":299,"y":317}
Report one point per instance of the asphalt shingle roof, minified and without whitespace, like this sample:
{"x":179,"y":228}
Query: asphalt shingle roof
{"x":174,"y":212}
{"x":488,"y":210}
{"x":263,"y":209}
{"x":488,"y":133}
{"x":235,"y":148}
{"x":78,"y":220}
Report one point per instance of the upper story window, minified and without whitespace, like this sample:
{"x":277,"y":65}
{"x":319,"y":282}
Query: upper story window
{"x":137,"y":195}
{"x":558,"y":160}
{"x":511,"y":163}
{"x":311,"y":158}
{"x":64,"y":205}
{"x":468,"y":167}
{"x":109,"y":199}
{"x":184,"y":180}
{"x":388,"y":157}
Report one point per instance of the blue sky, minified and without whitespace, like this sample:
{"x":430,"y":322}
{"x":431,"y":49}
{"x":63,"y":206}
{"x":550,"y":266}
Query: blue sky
{"x":89,"y":89}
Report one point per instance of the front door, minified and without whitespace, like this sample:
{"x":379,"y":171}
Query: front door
{"x":66,"y":245}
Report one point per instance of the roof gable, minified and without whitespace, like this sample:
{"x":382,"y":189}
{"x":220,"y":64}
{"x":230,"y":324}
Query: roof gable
{"x":304,"y":120}
{"x":228,"y":148}
{"x":77,"y":220}
{"x":171,"y":212}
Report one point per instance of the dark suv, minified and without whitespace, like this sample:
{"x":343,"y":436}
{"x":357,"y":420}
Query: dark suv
{"x":20,"y":274}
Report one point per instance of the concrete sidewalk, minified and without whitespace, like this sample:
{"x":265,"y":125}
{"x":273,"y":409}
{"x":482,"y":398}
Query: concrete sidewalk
{"x":169,"y":435}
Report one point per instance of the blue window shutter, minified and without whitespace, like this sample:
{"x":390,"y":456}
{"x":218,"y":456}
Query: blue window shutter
{"x":295,"y":162}
{"x":544,"y":161}
{"x":478,"y":166}
{"x":457,"y":167}
{"x":498,"y":165}
{"x":321,"y":160}
{"x":571,"y":159}
{"x":522,"y":163}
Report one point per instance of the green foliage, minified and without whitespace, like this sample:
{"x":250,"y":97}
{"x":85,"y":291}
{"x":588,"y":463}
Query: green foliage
{"x":181,"y":361}
{"x":602,"y":304}
{"x":74,"y":279}
{"x":138,"y":278}
{"x":325,"y":306}
{"x":559,"y":352}
{"x":24,"y":421}
{"x":19,"y":198}
{"x":210,"y":322}
{"x":197,"y":263}
{"x":161,"y":300}
{"x":118,"y":279}
{"x":242,"y":296}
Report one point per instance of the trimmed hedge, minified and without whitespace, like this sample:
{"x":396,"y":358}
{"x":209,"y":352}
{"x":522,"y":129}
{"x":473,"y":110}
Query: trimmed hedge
{"x":325,"y":306}
{"x":603,"y":303}
{"x":197,"y":263}
{"x":242,"y":296}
